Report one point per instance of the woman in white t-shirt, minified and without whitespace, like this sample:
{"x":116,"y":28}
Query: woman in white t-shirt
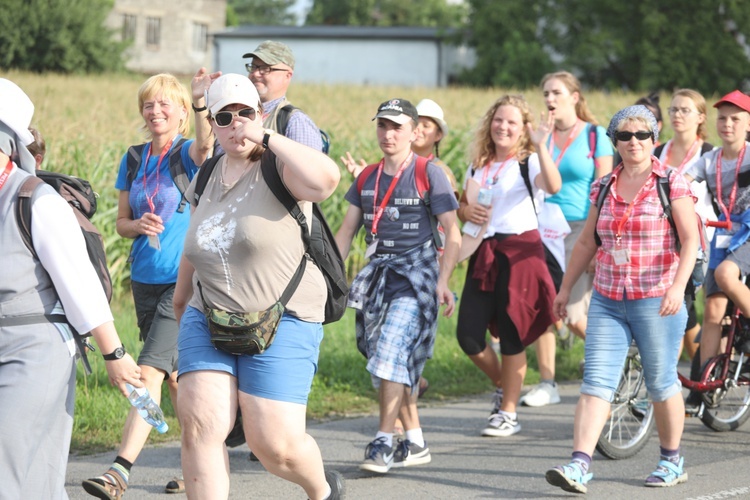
{"x":242,"y":250}
{"x":508,"y":287}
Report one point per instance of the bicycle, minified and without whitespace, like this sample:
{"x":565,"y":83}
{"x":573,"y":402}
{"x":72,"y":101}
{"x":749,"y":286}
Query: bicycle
{"x":724,"y":387}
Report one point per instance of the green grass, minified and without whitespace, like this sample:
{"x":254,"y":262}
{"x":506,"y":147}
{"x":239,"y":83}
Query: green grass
{"x":90,"y":120}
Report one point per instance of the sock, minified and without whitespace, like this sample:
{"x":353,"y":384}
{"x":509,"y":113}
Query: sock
{"x":583,"y":460}
{"x":122,"y":467}
{"x":510,"y":415}
{"x":549,"y":382}
{"x":388,"y":437}
{"x":328,"y":495}
{"x":415,"y":436}
{"x":670,"y":455}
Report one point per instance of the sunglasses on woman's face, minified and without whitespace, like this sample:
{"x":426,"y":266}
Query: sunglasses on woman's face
{"x":641,"y":135}
{"x":225,"y":118}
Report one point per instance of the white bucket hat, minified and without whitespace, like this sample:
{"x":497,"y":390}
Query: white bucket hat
{"x":430,"y":109}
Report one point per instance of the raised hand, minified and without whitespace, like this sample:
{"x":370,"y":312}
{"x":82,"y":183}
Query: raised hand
{"x":201,"y":81}
{"x":540,"y":135}
{"x":351,"y":165}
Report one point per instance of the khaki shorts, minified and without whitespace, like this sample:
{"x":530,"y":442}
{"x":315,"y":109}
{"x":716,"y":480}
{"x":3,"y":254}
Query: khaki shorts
{"x":580,"y":294}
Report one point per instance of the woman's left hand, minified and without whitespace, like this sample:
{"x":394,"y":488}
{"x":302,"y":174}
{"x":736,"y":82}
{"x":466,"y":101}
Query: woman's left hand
{"x":672,"y":301}
{"x":539,"y":135}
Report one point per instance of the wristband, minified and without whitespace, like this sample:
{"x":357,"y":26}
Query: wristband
{"x":267,"y":135}
{"x":118,"y":353}
{"x":198,"y":110}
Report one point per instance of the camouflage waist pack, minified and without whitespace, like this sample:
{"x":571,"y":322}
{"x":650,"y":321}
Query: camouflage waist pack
{"x":244,"y":333}
{"x":249,"y":333}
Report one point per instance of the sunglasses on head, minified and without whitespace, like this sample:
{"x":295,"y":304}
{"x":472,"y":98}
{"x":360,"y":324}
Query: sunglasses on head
{"x":641,"y":135}
{"x":225,"y":118}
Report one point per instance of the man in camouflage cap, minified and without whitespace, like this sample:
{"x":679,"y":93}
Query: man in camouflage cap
{"x":271,"y":70}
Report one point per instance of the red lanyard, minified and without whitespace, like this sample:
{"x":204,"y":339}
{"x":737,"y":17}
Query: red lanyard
{"x":688,"y":156}
{"x":628,"y":211}
{"x":377,"y":211}
{"x":733,"y":194}
{"x":6,"y":173}
{"x":486,"y":171}
{"x":150,"y":199}
{"x":567,"y":144}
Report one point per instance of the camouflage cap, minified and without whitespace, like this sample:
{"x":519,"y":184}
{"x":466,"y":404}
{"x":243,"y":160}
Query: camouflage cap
{"x":271,"y":53}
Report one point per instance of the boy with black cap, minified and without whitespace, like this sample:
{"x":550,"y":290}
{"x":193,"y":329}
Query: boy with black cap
{"x":271,"y":71}
{"x":397,"y":294}
{"x":726,"y":171}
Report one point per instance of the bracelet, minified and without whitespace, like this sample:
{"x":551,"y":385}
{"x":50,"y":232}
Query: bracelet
{"x":198,"y":110}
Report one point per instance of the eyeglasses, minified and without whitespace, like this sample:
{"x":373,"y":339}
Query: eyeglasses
{"x":263,"y":70}
{"x":641,"y":135}
{"x":683,"y":111}
{"x":225,"y":118}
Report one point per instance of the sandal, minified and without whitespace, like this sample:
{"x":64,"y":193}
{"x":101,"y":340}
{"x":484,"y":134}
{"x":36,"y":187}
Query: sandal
{"x":108,"y":486}
{"x":568,"y":477}
{"x":176,"y":485}
{"x":667,"y":474}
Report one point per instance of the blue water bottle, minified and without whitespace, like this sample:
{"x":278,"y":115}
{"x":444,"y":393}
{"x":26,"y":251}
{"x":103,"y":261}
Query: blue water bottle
{"x":147,"y":408}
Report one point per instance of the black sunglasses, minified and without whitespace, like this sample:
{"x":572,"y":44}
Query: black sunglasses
{"x":224,"y":118}
{"x":641,"y":135}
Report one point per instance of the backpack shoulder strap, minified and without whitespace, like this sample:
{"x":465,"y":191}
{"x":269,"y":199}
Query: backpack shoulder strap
{"x":523,"y":165}
{"x":421,"y":178}
{"x":178,"y":172}
{"x":363,"y":175}
{"x":658,"y":149}
{"x":282,"y":117}
{"x":605,"y":183}
{"x":706,"y":148}
{"x":204,"y":173}
{"x":23,"y":209}
{"x":135,"y":153}
{"x":663,"y":190}
{"x":593,"y":137}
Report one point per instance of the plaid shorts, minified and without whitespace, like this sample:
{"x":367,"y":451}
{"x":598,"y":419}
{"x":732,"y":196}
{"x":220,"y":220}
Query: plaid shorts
{"x":393,"y":351}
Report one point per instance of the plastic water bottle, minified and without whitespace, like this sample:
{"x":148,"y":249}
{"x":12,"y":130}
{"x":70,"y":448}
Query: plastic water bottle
{"x":147,"y":408}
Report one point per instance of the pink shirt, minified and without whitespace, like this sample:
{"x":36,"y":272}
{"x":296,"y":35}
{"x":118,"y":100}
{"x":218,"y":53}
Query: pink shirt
{"x":646,"y":234}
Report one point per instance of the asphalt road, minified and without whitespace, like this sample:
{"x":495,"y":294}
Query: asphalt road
{"x":464,"y":464}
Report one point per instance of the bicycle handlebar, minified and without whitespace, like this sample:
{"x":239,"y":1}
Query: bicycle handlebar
{"x":723,"y":224}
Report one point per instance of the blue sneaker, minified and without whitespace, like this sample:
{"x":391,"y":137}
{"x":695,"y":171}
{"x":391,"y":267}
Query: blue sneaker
{"x":378,"y":457}
{"x":569,"y":477}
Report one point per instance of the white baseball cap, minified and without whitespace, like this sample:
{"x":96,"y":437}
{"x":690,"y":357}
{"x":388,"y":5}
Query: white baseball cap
{"x":16,"y":110}
{"x":231,"y":89}
{"x":430,"y":109}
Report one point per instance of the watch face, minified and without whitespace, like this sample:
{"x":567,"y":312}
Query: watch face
{"x":119,"y":352}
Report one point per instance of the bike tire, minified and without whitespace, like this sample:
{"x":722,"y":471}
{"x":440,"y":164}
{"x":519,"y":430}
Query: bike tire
{"x":631,"y":420}
{"x":727,"y":408}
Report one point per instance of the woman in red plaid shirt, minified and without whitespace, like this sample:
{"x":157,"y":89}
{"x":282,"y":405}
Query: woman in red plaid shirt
{"x":639,"y":289}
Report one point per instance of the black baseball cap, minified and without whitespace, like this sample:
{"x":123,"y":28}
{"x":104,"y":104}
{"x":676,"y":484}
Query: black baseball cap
{"x":397,"y":110}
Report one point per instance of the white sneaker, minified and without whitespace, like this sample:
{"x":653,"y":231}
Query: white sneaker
{"x":541,"y":395}
{"x":501,"y":425}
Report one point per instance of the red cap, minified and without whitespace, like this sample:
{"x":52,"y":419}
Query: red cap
{"x":737,"y":98}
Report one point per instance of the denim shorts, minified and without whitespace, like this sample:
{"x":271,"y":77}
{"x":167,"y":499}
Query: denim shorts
{"x":284,"y":372}
{"x":612,"y":325}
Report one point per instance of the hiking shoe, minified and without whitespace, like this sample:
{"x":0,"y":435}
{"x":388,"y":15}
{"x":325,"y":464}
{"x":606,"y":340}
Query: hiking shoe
{"x":497,"y":401}
{"x":176,"y":485}
{"x":542,"y":395}
{"x":667,"y":474}
{"x":408,"y":454}
{"x":378,"y":457}
{"x":336,"y":481}
{"x":569,"y":477}
{"x":108,"y":486}
{"x":501,"y":425}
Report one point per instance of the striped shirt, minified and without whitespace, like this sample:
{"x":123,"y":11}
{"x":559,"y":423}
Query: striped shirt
{"x":646,"y":234}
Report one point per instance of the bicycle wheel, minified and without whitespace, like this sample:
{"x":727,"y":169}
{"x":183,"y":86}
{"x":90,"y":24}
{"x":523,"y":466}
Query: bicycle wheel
{"x":631,"y":418}
{"x":727,"y":408}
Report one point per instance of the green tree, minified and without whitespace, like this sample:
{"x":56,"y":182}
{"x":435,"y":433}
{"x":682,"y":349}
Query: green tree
{"x":265,"y":12}
{"x":509,"y":52}
{"x":652,"y":44}
{"x":66,"y":36}
{"x":429,"y":13}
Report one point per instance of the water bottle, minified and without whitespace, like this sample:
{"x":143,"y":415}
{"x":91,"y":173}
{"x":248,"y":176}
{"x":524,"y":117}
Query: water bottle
{"x":147,"y":408}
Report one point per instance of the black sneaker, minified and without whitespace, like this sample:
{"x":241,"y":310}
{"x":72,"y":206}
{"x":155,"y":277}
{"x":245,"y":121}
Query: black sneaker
{"x":236,"y":436}
{"x":408,"y":454}
{"x":378,"y":457}
{"x":693,"y":403}
{"x":336,"y":481}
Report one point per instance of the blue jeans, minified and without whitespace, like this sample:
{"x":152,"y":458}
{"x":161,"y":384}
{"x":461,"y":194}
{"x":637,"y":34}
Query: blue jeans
{"x":612,"y":325}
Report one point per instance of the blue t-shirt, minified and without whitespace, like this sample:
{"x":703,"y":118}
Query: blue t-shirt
{"x":405,"y":223}
{"x":577,"y":171}
{"x":150,"y":266}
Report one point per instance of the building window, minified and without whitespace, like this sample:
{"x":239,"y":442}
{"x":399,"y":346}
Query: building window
{"x":200,"y":37}
{"x":153,"y":31}
{"x":128,"y":26}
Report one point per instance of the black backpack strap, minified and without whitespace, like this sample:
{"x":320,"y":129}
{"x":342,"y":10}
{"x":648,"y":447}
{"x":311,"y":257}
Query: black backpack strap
{"x":23,"y":210}
{"x":605,"y":183}
{"x":135,"y":153}
{"x":523,"y":165}
{"x":282,"y":117}
{"x":178,"y":172}
{"x":663,"y":189}
{"x":204,"y":173}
